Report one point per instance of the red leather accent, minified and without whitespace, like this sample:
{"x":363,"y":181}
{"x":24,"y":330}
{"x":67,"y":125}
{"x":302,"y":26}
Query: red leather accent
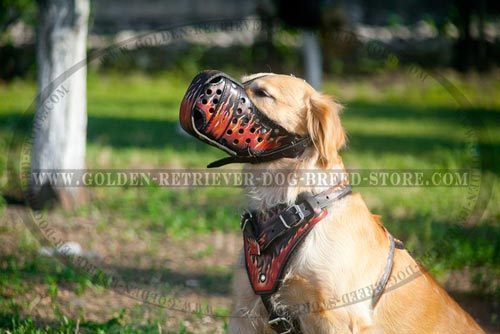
{"x":234,"y":121}
{"x":254,"y":247}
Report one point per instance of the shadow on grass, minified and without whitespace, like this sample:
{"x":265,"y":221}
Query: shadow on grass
{"x":457,"y":246}
{"x":16,"y":322}
{"x":206,"y":283}
{"x":115,"y":132}
{"x":473,"y":116}
{"x":123,"y":132}
{"x":36,"y":269}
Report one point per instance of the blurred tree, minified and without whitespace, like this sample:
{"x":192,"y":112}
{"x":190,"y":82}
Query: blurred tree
{"x":16,"y":59}
{"x":13,"y":10}
{"x":306,"y":14}
{"x":469,"y":51}
{"x":61,"y":117}
{"x":473,"y":51}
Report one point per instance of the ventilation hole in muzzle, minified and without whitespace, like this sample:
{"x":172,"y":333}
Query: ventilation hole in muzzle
{"x":248,"y":140}
{"x":240,"y":131}
{"x":235,"y":120}
{"x":223,"y":141}
{"x":204,"y":101}
{"x":216,"y":80}
{"x":211,"y":110}
{"x":216,"y":101}
{"x":229,"y":132}
{"x":199,"y":119}
{"x":236,"y":141}
{"x":244,"y":121}
{"x":252,"y":130}
{"x":260,"y":140}
{"x":238,"y":111}
{"x":209,"y":91}
{"x":243,"y":100}
{"x":218,"y":91}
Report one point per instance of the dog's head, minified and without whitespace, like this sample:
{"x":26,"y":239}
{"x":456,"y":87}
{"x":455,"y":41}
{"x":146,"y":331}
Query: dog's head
{"x":299,"y":108}
{"x":267,"y":117}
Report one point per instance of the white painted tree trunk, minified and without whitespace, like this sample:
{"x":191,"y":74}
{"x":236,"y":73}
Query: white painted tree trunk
{"x":60,"y":125}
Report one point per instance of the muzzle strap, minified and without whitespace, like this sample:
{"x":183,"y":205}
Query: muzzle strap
{"x":291,"y":151}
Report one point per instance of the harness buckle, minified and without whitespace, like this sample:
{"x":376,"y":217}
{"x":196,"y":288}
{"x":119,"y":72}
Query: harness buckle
{"x":298,"y":212}
{"x":282,"y":322}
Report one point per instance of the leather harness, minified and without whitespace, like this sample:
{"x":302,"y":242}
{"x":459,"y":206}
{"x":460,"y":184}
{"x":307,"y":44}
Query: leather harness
{"x":270,"y":238}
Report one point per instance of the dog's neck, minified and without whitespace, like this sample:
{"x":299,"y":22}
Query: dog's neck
{"x":299,"y":175}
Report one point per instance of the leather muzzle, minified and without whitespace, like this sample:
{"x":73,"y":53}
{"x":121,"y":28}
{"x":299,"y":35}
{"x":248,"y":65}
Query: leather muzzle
{"x":217,"y":110}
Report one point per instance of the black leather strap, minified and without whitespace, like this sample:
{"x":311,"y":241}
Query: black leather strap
{"x":306,"y":207}
{"x":280,"y":324}
{"x":382,"y":282}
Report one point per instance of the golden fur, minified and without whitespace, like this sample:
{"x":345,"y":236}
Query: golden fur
{"x":346,"y":252}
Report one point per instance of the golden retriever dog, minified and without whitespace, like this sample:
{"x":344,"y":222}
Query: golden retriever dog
{"x":346,"y":251}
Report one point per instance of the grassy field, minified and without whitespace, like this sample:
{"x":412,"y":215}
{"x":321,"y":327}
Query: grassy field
{"x":180,"y":243}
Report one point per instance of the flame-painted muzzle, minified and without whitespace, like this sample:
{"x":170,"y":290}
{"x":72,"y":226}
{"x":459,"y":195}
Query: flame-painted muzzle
{"x":217,"y":110}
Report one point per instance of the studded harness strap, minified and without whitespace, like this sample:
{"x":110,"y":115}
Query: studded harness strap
{"x":270,"y":238}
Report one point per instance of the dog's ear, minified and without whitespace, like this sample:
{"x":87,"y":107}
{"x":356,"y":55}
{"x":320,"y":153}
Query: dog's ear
{"x":323,"y":125}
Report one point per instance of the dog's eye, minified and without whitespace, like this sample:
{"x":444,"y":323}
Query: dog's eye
{"x":262,"y":93}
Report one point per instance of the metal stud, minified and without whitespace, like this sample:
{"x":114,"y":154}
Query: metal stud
{"x":262,"y":277}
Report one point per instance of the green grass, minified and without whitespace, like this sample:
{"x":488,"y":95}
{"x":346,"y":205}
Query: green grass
{"x":393,"y":121}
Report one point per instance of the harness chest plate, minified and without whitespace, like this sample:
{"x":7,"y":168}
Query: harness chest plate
{"x":270,"y":239}
{"x":266,"y":265}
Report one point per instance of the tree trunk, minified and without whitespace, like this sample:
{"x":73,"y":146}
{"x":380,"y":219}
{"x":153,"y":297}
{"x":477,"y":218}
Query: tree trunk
{"x":61,"y":117}
{"x":313,"y":62}
{"x":464,"y":50}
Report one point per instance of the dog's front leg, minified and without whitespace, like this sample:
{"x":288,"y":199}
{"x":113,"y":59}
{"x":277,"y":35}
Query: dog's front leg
{"x":241,"y":322}
{"x":248,"y":312}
